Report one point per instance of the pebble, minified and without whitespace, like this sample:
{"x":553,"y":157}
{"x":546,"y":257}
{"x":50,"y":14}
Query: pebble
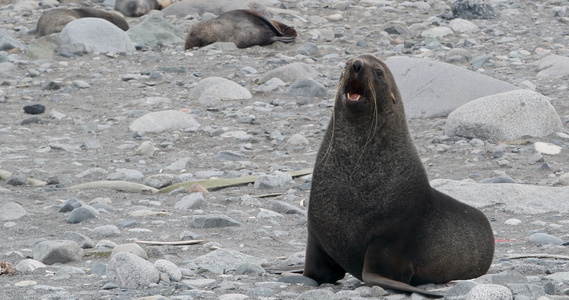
{"x":81,"y":214}
{"x":130,"y":248}
{"x":214,"y":221}
{"x":93,"y":97}
{"x":130,"y":271}
{"x":57,"y":251}
{"x":97,"y":35}
{"x":34,"y":109}
{"x":542,"y":238}
{"x":11,"y":211}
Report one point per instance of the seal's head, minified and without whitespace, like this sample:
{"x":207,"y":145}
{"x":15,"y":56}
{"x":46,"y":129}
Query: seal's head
{"x":366,"y":85}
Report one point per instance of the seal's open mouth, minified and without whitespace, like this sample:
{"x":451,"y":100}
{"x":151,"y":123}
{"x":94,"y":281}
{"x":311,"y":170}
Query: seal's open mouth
{"x":355,"y":91}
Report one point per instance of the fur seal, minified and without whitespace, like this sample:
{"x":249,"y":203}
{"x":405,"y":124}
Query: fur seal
{"x":137,"y":8}
{"x":245,"y":28}
{"x":53,"y":20}
{"x":372,"y":212}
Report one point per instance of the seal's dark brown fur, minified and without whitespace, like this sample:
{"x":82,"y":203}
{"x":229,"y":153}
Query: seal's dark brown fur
{"x":372,"y":211}
{"x":53,"y":20}
{"x":245,"y":28}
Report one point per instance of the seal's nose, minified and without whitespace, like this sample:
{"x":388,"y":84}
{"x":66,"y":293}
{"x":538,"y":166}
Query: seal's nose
{"x":357,"y":65}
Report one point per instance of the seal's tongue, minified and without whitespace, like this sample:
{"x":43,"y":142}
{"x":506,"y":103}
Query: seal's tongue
{"x":354,"y":97}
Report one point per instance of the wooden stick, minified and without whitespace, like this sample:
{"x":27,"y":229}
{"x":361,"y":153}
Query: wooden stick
{"x":179,"y":243}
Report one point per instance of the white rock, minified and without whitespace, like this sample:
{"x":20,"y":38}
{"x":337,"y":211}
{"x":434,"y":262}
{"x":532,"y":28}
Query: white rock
{"x":130,"y":271}
{"x":509,"y":115}
{"x":98,"y":35}
{"x":513,"y":222}
{"x":516,"y":198}
{"x":434,"y":89}
{"x":219,"y":88}
{"x":437,"y":32}
{"x":463,"y":26}
{"x":547,"y":148}
{"x":489,"y":292}
{"x":169,"y":268}
{"x":164,"y":120}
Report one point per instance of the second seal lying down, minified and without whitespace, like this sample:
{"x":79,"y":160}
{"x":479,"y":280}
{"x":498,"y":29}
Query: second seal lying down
{"x":245,"y":28}
{"x":372,"y":212}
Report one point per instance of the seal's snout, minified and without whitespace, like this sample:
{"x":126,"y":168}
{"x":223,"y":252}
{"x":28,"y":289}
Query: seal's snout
{"x":357,"y":65}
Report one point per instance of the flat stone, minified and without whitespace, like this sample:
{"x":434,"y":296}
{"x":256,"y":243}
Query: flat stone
{"x":434,"y":89}
{"x":509,"y":115}
{"x":57,"y":251}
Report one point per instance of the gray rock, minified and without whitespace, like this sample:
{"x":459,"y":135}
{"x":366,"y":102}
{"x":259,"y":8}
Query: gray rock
{"x":285,"y":208}
{"x":271,"y":181}
{"x":155,"y":30}
{"x":99,"y":269}
{"x":191,"y":201}
{"x":316,"y":294}
{"x":249,"y":269}
{"x":516,"y":198}
{"x":553,"y":66}
{"x":297,"y":140}
{"x":8,"y":42}
{"x":81,"y":240}
{"x":508,"y":115}
{"x":164,"y":121}
{"x":130,"y":271}
{"x":145,"y":149}
{"x":460,"y":26}
{"x":130,"y":248}
{"x":532,"y":291}
{"x":437,"y":32}
{"x":126,"y":175}
{"x":224,"y":260}
{"x":11,"y":211}
{"x":98,"y":35}
{"x":509,"y":276}
{"x":159,"y":180}
{"x":223,"y":46}
{"x":44,"y":47}
{"x":307,"y":87}
{"x":81,"y":214}
{"x":229,"y":156}
{"x":471,"y":9}
{"x":214,"y":221}
{"x":559,"y":276}
{"x":290,"y":73}
{"x":169,"y":268}
{"x":219,"y":88}
{"x":295,"y":279}
{"x":489,"y":292}
{"x":434,"y":89}
{"x":57,"y":251}
{"x":17,"y":178}
{"x":460,"y":290}
{"x":106,"y":231}
{"x":69,"y":205}
{"x":504,"y":178}
{"x":542,"y":239}
{"x":28,"y":266}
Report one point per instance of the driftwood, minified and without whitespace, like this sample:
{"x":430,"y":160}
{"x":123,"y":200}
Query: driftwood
{"x":178,"y":243}
{"x":4,"y":175}
{"x":210,"y":184}
{"x":520,"y":256}
{"x":215,"y":184}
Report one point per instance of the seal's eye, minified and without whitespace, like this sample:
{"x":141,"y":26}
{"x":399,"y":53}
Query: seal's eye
{"x":378,"y":72}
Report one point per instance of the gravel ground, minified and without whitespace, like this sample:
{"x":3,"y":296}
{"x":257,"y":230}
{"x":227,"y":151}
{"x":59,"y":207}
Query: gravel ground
{"x":84,"y":136}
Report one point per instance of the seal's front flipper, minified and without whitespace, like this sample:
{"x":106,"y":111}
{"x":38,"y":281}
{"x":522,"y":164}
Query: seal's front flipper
{"x":389,"y":260}
{"x":284,"y":39}
{"x":319,"y":266}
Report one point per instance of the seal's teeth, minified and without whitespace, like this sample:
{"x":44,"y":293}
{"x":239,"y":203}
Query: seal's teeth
{"x":353,"y":97}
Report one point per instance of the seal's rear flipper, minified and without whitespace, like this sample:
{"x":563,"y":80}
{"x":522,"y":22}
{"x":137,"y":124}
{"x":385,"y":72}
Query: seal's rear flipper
{"x":284,"y":39}
{"x":386,"y":257}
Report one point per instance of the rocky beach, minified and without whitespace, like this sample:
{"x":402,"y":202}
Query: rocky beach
{"x":134,"y":169}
